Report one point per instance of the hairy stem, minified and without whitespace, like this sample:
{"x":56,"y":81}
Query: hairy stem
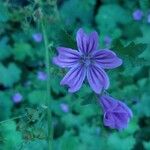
{"x":48,"y":95}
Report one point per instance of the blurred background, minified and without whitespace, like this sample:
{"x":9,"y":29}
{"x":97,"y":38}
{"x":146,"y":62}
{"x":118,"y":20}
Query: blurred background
{"x":122,"y":25}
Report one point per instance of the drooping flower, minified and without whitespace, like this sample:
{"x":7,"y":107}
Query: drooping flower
{"x":137,"y":15}
{"x":116,"y":113}
{"x":87,"y":61}
{"x":41,"y":75}
{"x":64,"y":107}
{"x":17,"y":97}
{"x":37,"y":37}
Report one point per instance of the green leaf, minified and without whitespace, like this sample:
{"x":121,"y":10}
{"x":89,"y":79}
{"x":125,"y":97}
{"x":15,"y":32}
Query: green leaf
{"x":9,"y":75}
{"x":145,"y":55}
{"x":37,"y":97}
{"x":22,"y":50}
{"x":55,"y":85}
{"x":142,"y":108}
{"x":132,"y":31}
{"x":130,"y":91}
{"x":147,"y":145}
{"x":89,"y":110}
{"x":70,"y":143}
{"x":145,"y":35}
{"x":76,"y":9}
{"x":4,"y":14}
{"x":13,"y":138}
{"x":71,"y":120}
{"x":144,"y":4}
{"x":87,"y":134}
{"x":65,"y":39}
{"x":131,"y":51}
{"x":5,"y":50}
{"x":35,"y":145}
{"x":117,"y":143}
{"x":108,"y":19}
{"x":5,"y":105}
{"x":130,"y":55}
{"x":133,"y":126}
{"x":145,"y":39}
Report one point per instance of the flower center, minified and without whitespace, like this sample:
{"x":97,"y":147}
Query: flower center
{"x":86,"y":60}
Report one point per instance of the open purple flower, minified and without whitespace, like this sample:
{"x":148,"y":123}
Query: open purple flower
{"x":86,"y":62}
{"x":17,"y":97}
{"x":116,"y":113}
{"x":137,"y":15}
{"x":64,"y":107}
{"x":37,"y":37}
{"x":41,"y":75}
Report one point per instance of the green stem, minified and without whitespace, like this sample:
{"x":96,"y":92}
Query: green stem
{"x":48,"y":95}
{"x":14,"y":118}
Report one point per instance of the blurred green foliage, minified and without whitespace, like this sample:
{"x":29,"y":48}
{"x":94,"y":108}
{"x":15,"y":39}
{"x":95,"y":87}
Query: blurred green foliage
{"x":23,"y":125}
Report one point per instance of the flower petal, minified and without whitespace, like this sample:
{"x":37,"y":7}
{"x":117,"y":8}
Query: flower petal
{"x":123,"y":107}
{"x":74,"y":78}
{"x":107,"y":59}
{"x":107,"y":102}
{"x":121,"y":120}
{"x":87,"y":43}
{"x":67,"y":57}
{"x":109,"y":120}
{"x":97,"y":78}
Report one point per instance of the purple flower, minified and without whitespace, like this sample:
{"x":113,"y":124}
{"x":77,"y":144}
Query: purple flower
{"x":42,"y":75}
{"x":37,"y":37}
{"x":148,"y":18}
{"x":137,"y":15}
{"x":86,"y":62}
{"x":64,"y":107}
{"x":17,"y":97}
{"x":107,"y":40}
{"x":116,"y":113}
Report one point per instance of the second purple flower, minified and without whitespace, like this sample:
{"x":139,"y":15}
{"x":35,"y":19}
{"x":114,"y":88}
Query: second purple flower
{"x":86,"y":62}
{"x":116,"y":113}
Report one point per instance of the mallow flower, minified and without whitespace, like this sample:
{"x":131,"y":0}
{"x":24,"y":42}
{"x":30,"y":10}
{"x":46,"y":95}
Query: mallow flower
{"x":148,"y":18}
{"x":37,"y":37}
{"x":41,"y":75}
{"x":17,"y":97}
{"x":88,"y":62}
{"x":137,"y":14}
{"x":64,"y":107}
{"x":116,"y":114}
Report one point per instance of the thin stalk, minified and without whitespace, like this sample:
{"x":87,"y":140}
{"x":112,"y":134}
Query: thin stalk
{"x":14,"y":118}
{"x":48,"y":95}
